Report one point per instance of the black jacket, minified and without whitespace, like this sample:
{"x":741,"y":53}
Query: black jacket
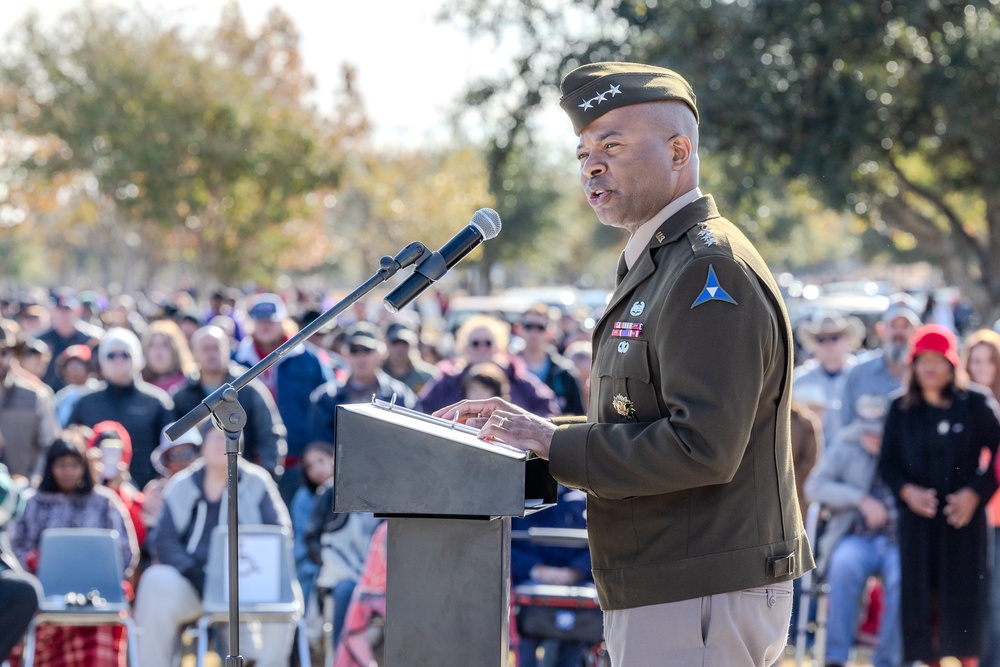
{"x":264,"y":434}
{"x":144,"y":411}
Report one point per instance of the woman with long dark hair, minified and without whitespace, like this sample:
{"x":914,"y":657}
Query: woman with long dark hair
{"x":67,"y":497}
{"x":934,"y":434}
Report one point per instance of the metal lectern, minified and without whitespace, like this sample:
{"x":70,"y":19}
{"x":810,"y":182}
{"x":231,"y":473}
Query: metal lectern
{"x":448,"y":497}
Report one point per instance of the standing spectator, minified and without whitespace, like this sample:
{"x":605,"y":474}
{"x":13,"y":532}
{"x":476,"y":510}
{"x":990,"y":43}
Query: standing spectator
{"x":831,"y":339}
{"x":124,"y":397}
{"x":169,"y":594}
{"x":291,"y":380}
{"x":860,"y":539}
{"x":981,"y":360}
{"x":68,"y":497}
{"x":544,"y":362}
{"x":485,"y":338}
{"x":73,"y":368}
{"x":168,"y":356}
{"x":264,"y":433}
{"x":365,"y":353}
{"x":882,"y":373}
{"x":19,"y":590}
{"x":934,"y":435}
{"x":66,"y":330}
{"x":403,"y":360}
{"x":27,"y":417}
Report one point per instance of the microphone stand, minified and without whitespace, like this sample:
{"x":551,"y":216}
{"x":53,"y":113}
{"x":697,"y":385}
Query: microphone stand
{"x":228,"y":415}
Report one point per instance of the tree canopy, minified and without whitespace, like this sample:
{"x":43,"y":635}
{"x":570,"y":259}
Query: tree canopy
{"x":889,"y":111}
{"x":174,"y":147}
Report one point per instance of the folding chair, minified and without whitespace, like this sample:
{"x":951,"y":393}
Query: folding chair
{"x":73,"y":562}
{"x":813,"y":588}
{"x":269,"y":590}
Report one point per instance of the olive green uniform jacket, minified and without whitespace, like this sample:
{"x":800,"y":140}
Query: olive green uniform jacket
{"x":686,"y":454}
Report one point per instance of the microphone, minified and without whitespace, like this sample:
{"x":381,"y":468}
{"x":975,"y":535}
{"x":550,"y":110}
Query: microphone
{"x":484,"y":226}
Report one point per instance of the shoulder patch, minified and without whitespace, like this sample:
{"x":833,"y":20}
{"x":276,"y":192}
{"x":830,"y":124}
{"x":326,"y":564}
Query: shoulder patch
{"x":713,"y":291}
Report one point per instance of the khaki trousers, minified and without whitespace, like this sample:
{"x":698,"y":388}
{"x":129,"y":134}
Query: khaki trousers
{"x":741,"y":629}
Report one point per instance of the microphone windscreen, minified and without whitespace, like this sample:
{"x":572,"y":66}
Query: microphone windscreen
{"x":487,"y":221}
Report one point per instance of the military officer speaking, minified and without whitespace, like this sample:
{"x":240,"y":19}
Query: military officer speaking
{"x":695,"y":533}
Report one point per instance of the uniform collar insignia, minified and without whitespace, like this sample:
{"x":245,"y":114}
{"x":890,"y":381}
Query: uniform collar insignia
{"x":623,"y":406}
{"x":712,"y":291}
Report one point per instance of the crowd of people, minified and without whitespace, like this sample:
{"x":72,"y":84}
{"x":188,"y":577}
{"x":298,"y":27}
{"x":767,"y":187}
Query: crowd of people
{"x":89,"y":386}
{"x":896,"y":443}
{"x":905,"y":474}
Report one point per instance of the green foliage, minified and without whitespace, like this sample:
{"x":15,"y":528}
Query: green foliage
{"x":889,"y":110}
{"x":190,"y":143}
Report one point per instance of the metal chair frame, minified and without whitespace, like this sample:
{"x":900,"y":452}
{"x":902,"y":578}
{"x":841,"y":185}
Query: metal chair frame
{"x":62,"y":554}
{"x":290,"y":606}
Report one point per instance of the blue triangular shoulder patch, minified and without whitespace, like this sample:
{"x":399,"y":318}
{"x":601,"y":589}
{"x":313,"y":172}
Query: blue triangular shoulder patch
{"x":713,"y":291}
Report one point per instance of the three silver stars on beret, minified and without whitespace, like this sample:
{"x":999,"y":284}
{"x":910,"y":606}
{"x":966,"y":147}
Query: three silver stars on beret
{"x":600,"y":97}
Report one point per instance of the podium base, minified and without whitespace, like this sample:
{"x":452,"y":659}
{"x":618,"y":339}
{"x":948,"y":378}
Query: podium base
{"x":448,"y":592}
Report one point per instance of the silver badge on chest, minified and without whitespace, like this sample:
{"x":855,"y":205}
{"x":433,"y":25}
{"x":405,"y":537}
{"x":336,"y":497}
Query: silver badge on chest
{"x":637,"y":308}
{"x":623,"y":347}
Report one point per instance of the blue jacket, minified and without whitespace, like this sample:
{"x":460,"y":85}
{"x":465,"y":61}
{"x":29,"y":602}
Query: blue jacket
{"x":326,"y":398}
{"x":568,"y":512}
{"x":298,"y":374}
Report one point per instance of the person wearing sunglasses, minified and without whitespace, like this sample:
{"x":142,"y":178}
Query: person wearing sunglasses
{"x":365,"y":353}
{"x":123,"y":396}
{"x":480,"y":339}
{"x":544,"y":362}
{"x":830,"y":339}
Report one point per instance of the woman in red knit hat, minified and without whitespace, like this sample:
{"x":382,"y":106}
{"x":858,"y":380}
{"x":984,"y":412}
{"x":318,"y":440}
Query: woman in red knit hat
{"x":934,"y":433}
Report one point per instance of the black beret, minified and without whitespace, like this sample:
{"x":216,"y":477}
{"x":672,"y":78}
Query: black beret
{"x":590,"y":91}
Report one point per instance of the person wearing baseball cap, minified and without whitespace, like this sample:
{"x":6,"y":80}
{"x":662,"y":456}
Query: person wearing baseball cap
{"x":686,"y":453}
{"x":882,"y":373}
{"x":935,"y":432}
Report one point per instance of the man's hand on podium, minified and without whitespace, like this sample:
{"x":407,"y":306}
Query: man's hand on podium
{"x":497,"y":419}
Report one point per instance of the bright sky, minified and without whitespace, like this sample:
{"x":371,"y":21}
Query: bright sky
{"x":410,"y":66}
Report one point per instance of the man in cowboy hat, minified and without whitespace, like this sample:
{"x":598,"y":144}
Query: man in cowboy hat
{"x":830,"y":338}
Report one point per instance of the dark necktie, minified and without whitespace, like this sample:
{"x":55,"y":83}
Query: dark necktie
{"x":622,"y":270}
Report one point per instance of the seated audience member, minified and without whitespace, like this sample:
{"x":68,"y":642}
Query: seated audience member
{"x":532,"y":563}
{"x":144,"y":410}
{"x":19,"y":591}
{"x":317,"y":470}
{"x":484,"y":338}
{"x":264,"y":433}
{"x":338,"y":543}
{"x":27,"y":418}
{"x":542,"y":359}
{"x":581,"y":353}
{"x":168,"y":356}
{"x":68,"y":497}
{"x":168,"y":459}
{"x":485,"y":380}
{"x":363,"y":634}
{"x":109,"y":452}
{"x":73,"y":369}
{"x":403,"y":360}
{"x":365,"y":353}
{"x":860,"y":539}
{"x":170,"y":591}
